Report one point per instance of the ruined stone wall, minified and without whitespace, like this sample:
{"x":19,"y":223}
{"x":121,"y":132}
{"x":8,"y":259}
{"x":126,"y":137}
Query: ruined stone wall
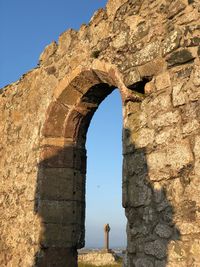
{"x":150,"y":51}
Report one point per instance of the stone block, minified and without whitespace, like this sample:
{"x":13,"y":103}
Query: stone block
{"x":54,"y":125}
{"x":194,"y":41}
{"x":163,"y":81}
{"x":85,"y":80}
{"x":179,"y":95}
{"x":156,"y":163}
{"x":138,"y":195}
{"x":175,"y":8}
{"x":197,"y":155}
{"x":163,"y":230}
{"x":135,"y":163}
{"x":48,"y":52}
{"x":179,"y":57}
{"x":73,"y":123}
{"x":61,"y":212}
{"x":98,"y":258}
{"x":58,"y":235}
{"x":171,"y":42}
{"x":55,"y":157}
{"x":67,"y":157}
{"x":120,"y":40}
{"x":149,"y":88}
{"x":168,"y":135}
{"x":193,"y":93}
{"x":175,"y":190}
{"x":169,"y":161}
{"x":196,"y":76}
{"x":61,"y":184}
{"x":146,"y":54}
{"x":69,"y":95}
{"x":142,"y":138}
{"x":163,"y":101}
{"x":131,"y":77}
{"x":65,"y":40}
{"x":59,"y":257}
{"x":152,"y":68}
{"x":194,"y":252}
{"x":179,"y":155}
{"x":190,"y":16}
{"x":159,"y":263}
{"x":191,"y":127}
{"x":166,"y":119}
{"x":177,"y":252}
{"x":142,"y":262}
{"x":156,"y":248}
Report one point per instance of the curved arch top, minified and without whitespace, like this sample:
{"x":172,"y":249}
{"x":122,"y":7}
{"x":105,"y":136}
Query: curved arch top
{"x":77,"y":96}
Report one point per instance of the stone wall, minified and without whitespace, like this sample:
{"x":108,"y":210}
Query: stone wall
{"x":98,"y":258}
{"x":150,"y":51}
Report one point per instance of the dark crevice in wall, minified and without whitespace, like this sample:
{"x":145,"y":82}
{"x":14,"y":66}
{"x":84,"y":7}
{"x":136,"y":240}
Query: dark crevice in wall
{"x":139,"y":86}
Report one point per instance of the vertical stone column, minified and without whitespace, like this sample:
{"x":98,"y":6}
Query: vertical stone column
{"x":61,"y":205}
{"x":106,"y":236}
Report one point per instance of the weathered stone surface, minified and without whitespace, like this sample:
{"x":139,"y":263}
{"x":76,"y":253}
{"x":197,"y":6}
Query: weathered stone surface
{"x":98,"y":259}
{"x":168,"y":135}
{"x":132,"y":77}
{"x":142,"y":137}
{"x":172,"y":42}
{"x":60,"y":212}
{"x":65,"y":41}
{"x":169,"y":161}
{"x":190,"y":127}
{"x":152,"y":68}
{"x":195,"y":41}
{"x":61,"y":184}
{"x":175,"y":8}
{"x":160,"y":263}
{"x":179,"y":95}
{"x":166,"y":119}
{"x":143,"y":263}
{"x":56,"y":117}
{"x":48,"y":52}
{"x":179,"y":57}
{"x":177,"y":253}
{"x":197,"y":155}
{"x":196,"y":77}
{"x":162,"y":230}
{"x":163,"y":81}
{"x":139,"y":195}
{"x":120,"y":40}
{"x":58,"y":235}
{"x":156,"y":248}
{"x":150,"y":47}
{"x":146,"y":54}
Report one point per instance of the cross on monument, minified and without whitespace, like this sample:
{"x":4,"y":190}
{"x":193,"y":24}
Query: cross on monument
{"x":106,"y":235}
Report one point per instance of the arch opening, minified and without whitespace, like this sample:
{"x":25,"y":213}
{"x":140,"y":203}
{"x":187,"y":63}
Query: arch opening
{"x":104,"y":176}
{"x":60,"y":194}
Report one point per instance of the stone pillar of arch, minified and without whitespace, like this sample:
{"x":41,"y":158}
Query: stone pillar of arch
{"x":60,"y":195}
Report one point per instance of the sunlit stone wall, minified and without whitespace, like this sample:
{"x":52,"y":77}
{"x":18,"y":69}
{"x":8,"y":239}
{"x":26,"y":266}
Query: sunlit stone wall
{"x":149,"y":50}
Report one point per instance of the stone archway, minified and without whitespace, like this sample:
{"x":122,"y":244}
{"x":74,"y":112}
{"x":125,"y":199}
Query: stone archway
{"x":139,"y":41}
{"x":60,"y":200}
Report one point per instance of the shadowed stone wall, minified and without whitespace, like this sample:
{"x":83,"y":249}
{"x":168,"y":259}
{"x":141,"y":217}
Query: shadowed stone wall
{"x":150,"y":51}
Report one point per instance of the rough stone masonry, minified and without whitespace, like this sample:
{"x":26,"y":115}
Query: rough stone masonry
{"x":150,"y":51}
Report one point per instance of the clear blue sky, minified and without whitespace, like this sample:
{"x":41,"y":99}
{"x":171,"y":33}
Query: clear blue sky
{"x":26,"y":28}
